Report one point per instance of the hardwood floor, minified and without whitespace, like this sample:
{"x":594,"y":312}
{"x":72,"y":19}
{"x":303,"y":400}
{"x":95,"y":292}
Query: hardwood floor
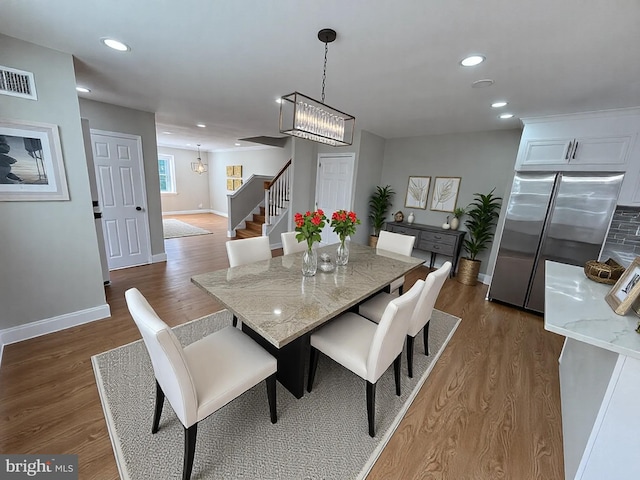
{"x":489,"y":410}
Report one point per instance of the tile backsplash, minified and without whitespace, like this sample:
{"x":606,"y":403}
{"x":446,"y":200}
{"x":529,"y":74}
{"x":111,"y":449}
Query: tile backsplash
{"x":623,"y":240}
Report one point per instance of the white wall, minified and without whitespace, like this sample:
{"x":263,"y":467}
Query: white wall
{"x":192,"y":189}
{"x":484,"y":160}
{"x":265,"y":161}
{"x":50,"y":259}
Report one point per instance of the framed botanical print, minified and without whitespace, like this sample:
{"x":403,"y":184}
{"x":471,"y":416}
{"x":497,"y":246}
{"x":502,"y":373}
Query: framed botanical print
{"x":445,"y":194}
{"x":417,"y":192}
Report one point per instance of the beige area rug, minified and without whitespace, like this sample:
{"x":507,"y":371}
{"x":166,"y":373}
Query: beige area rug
{"x":323,"y":435}
{"x":175,"y":228}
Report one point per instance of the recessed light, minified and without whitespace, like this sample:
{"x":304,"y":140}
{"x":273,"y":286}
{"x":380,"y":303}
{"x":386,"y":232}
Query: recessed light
{"x":498,"y":104}
{"x":504,"y":116}
{"x":188,"y":144}
{"x":201,"y":125}
{"x":167,"y":133}
{"x":278,"y":100}
{"x":115,"y":44}
{"x":83,"y":90}
{"x":237,"y":144}
{"x":472,"y":60}
{"x":485,"y":82}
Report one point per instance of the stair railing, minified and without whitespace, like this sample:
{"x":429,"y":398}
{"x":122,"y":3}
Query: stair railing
{"x":276,"y":193}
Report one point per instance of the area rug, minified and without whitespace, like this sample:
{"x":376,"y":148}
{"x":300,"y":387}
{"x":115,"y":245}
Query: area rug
{"x":323,"y":435}
{"x":175,"y":228}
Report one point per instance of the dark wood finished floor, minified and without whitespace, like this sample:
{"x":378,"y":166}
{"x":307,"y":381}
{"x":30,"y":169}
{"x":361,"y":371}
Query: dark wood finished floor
{"x":489,"y":410}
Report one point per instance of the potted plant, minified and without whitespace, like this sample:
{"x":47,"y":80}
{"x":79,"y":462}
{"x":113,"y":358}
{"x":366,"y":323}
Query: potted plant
{"x":379,"y":204}
{"x":457,"y":215}
{"x":483,"y":214}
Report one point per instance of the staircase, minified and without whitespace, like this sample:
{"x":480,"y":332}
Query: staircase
{"x":253,"y":227}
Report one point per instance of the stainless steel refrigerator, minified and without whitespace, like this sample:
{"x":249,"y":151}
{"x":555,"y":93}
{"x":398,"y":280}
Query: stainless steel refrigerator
{"x":562,"y":217}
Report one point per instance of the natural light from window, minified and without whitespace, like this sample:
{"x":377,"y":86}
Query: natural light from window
{"x":166,"y":172}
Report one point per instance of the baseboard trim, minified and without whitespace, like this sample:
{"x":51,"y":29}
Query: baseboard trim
{"x":50,"y":325}
{"x":159,"y":258}
{"x":222,"y":214}
{"x":188,"y":212}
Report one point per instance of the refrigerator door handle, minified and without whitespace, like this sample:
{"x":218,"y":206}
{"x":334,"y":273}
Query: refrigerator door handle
{"x":566,"y":156}
{"x":575,"y":149}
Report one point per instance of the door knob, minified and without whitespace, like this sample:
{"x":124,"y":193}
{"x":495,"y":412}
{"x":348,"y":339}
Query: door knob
{"x":138,"y":208}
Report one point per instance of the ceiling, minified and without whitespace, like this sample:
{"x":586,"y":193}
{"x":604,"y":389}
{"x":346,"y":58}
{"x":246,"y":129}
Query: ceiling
{"x":394,"y":66}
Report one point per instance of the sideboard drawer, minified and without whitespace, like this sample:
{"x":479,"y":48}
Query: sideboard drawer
{"x":405,"y":231}
{"x":442,"y":248}
{"x":437,"y":238}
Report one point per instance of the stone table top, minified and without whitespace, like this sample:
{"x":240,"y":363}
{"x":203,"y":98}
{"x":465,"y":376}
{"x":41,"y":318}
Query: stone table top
{"x":274,"y":299}
{"x":575,"y":307}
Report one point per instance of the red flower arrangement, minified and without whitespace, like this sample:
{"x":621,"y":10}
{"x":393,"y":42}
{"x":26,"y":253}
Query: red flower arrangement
{"x":309,"y":226}
{"x":344,"y":223}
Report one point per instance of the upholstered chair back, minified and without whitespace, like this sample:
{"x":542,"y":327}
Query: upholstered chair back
{"x":396,"y":242}
{"x":432,"y":286}
{"x":167,"y":357}
{"x":290,"y":244}
{"x":388,"y":340}
{"x":248,"y":250}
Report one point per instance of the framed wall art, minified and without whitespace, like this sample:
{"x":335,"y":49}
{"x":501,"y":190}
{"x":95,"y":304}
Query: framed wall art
{"x":417,"y":192}
{"x":31,"y":164}
{"x":626,"y":290}
{"x":237,"y":170}
{"x":445,"y":193}
{"x":229,"y":170}
{"x":237,"y":183}
{"x":229,"y":183}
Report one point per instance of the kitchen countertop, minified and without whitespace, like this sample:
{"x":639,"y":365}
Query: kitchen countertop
{"x":575,"y":308}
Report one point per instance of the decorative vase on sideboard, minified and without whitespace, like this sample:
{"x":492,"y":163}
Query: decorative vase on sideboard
{"x":454,"y":223}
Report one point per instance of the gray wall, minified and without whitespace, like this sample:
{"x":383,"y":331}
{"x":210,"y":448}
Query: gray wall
{"x":264,"y":161}
{"x":49,"y":256}
{"x":112,"y":118}
{"x":484,"y":160}
{"x":192,"y":189}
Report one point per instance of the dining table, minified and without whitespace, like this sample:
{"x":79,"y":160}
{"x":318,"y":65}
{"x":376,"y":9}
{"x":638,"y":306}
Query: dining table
{"x":279,"y":307}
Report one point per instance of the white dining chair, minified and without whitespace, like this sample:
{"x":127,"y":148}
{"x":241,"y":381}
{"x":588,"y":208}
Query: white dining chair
{"x":248,"y":250}
{"x":290,"y":244}
{"x":366,"y":348}
{"x":396,"y":243}
{"x":374,"y":308}
{"x":203,"y":376}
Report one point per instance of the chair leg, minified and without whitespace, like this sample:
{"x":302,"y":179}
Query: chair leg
{"x":158,"y":412}
{"x":189,"y":450}
{"x":313,"y":365}
{"x":410,"y":340}
{"x":425,"y":333}
{"x":271,"y":395}
{"x":371,"y":407}
{"x":397,"y":363}
{"x":401,"y":290}
{"x":235,"y":321}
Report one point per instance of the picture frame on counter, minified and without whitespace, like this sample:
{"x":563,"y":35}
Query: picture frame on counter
{"x":626,"y":291}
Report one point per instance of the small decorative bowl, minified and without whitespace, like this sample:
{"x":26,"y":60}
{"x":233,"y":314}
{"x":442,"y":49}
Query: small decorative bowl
{"x":608,"y":272}
{"x":326,"y":263}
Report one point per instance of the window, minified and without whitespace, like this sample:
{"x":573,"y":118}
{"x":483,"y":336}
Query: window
{"x":166,"y":172}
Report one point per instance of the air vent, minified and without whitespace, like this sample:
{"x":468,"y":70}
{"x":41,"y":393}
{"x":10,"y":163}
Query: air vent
{"x":17,"y":83}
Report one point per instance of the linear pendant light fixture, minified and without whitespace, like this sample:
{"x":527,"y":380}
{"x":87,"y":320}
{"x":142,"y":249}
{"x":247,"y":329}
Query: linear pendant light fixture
{"x":302,"y":116}
{"x":198,"y":166}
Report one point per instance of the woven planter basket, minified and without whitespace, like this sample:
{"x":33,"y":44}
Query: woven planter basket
{"x":468,"y":271}
{"x":608,"y":272}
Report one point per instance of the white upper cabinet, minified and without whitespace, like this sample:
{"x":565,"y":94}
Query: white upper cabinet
{"x":599,"y":141}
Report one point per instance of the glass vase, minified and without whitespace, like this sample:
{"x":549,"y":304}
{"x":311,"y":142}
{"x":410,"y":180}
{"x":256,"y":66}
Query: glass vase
{"x":342,"y":254}
{"x":309,"y":262}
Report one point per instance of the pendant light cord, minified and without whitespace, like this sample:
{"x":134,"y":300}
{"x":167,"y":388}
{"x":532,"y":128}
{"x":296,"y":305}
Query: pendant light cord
{"x":324,"y":71}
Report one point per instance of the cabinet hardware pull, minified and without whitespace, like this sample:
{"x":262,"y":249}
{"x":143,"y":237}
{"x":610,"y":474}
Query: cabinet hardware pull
{"x":566,"y":157}
{"x":575,"y":149}
{"x":437,"y":237}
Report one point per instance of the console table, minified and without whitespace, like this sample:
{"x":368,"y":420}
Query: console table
{"x":435,"y":240}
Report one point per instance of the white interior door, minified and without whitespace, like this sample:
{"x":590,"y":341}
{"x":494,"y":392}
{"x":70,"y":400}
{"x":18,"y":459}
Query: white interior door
{"x":334,"y":187}
{"x":122,"y":197}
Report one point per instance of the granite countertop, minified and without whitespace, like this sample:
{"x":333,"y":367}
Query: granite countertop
{"x":275,"y":300}
{"x":575,"y":308}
